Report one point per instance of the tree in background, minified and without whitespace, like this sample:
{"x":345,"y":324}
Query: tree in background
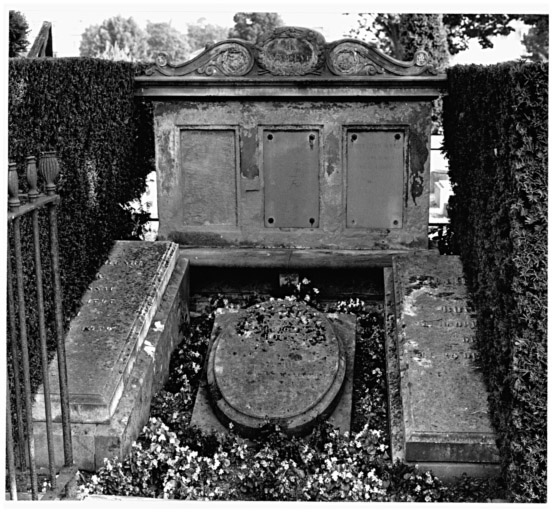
{"x":536,"y":40}
{"x":201,"y":34}
{"x":251,"y":26}
{"x":463,"y":27}
{"x":400,"y":34}
{"x":119,"y":38}
{"x":118,"y":33}
{"x":162,"y":37}
{"x":19,"y":28}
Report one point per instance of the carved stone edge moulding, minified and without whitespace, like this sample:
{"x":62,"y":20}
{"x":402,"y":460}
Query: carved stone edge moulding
{"x":292,"y":51}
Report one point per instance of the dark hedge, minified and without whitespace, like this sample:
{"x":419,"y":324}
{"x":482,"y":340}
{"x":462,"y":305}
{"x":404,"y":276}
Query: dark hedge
{"x":496,"y":137}
{"x":85,"y":110}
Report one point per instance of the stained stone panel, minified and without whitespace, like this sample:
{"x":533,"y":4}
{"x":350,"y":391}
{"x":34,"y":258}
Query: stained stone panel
{"x":375,"y":169}
{"x":291,"y":166}
{"x":209,"y":166}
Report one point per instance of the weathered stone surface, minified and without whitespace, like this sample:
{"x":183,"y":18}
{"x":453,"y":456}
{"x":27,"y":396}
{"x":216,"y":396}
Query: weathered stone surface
{"x":339,"y":180}
{"x":442,"y":414}
{"x":291,"y":167}
{"x":93,"y":442}
{"x":209,"y":171}
{"x":275,"y":362}
{"x":105,"y":338}
{"x":345,"y":329}
{"x":293,"y":52}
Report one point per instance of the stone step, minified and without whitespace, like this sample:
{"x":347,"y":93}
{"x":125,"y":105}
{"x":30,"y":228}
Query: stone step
{"x":238,"y":258}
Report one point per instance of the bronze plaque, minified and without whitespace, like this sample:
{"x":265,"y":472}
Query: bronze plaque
{"x":208,"y":163}
{"x":291,"y":166}
{"x":375,"y":178}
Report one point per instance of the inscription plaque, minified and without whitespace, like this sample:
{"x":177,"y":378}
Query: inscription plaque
{"x":375,"y":170}
{"x":208,"y":163}
{"x":291,"y":166}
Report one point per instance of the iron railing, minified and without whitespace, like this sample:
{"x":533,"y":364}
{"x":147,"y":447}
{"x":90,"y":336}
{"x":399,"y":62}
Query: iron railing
{"x":20,"y":457}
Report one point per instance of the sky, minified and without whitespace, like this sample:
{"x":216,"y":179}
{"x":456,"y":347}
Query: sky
{"x":69,"y":20}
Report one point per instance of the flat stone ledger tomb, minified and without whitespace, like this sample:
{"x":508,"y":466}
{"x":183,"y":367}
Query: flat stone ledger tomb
{"x":437,"y":397}
{"x":117,"y":344}
{"x":281,"y":363}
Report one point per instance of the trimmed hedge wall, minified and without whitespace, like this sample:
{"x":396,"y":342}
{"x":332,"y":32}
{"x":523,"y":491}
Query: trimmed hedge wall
{"x":496,"y":139}
{"x":85,"y":110}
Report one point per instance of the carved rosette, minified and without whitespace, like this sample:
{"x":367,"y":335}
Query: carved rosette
{"x":421,"y":58}
{"x":352,"y":59}
{"x":161,"y":59}
{"x":290,"y":51}
{"x":230,"y":59}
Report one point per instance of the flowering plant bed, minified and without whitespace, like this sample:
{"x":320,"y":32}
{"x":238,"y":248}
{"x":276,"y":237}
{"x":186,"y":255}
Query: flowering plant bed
{"x":173,"y":460}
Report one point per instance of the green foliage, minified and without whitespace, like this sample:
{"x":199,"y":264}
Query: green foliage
{"x":463,"y":27}
{"x":252,"y":26}
{"x":536,"y":41}
{"x":162,"y":37}
{"x":496,"y":139}
{"x":119,"y":38}
{"x":19,"y":28}
{"x":395,"y":32}
{"x":400,"y":35}
{"x":116,"y":36}
{"x":175,"y":461}
{"x":200,"y":34}
{"x":85,"y":110}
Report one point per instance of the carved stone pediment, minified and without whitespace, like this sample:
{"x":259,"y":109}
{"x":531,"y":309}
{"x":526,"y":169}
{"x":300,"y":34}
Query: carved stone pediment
{"x":289,"y":52}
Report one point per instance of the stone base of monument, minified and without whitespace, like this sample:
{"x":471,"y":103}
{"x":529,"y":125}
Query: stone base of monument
{"x":118,"y":351}
{"x":277,"y":363}
{"x":438,"y":404}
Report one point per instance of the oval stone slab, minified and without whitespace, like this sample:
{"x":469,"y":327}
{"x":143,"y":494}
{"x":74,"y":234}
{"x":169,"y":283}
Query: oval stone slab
{"x":279,"y":362}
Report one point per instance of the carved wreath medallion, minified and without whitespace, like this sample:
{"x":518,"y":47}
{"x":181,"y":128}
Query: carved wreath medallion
{"x":292,"y":52}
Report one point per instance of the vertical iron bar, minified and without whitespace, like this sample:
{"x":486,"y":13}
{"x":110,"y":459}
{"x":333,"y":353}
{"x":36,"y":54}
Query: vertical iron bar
{"x":63,"y":391}
{"x":9,"y":444}
{"x":43,"y":350}
{"x":15,"y":366}
{"x":25,"y":354}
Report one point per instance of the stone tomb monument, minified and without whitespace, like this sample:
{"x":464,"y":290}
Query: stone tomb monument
{"x":438,"y":406}
{"x":118,"y":349}
{"x":293,"y":143}
{"x":281,"y":363}
{"x":296,"y":153}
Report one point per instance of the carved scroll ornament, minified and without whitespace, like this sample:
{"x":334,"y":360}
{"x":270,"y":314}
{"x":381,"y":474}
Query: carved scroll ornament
{"x":293,"y":51}
{"x":225,"y":58}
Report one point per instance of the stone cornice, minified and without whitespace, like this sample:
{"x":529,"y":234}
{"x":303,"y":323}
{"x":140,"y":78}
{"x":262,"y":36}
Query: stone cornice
{"x":292,"y":62}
